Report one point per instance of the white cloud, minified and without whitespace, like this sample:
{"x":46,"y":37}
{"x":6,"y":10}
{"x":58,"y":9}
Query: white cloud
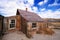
{"x":43,"y":9}
{"x":42,"y":2}
{"x":10,"y":6}
{"x":45,"y":1}
{"x":31,"y":2}
{"x":50,"y":14}
{"x":54,"y":4}
{"x":35,"y":9}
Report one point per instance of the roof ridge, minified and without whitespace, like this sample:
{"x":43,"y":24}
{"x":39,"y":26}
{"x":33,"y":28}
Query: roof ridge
{"x":30,"y":16}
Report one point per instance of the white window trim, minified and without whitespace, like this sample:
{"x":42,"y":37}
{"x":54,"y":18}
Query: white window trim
{"x":9,"y":24}
{"x":34,"y":27}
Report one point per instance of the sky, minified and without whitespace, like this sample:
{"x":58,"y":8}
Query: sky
{"x":44,"y":8}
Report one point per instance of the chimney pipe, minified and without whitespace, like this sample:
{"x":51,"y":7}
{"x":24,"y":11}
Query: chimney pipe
{"x":26,"y":9}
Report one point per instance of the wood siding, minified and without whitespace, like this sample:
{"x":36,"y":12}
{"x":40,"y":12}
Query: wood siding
{"x":1,"y":24}
{"x":6,"y":22}
{"x":40,"y":26}
{"x":18,"y":22}
{"x":23,"y":25}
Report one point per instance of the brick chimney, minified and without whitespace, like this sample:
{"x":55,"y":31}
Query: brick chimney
{"x":26,"y":9}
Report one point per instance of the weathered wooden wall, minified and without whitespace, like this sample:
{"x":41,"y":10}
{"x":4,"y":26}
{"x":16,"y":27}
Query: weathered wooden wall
{"x":40,"y":26}
{"x":6,"y":23}
{"x":1,"y":24}
{"x":30,"y":30}
{"x":5,"y":29}
{"x":18,"y":22}
{"x":23,"y":25}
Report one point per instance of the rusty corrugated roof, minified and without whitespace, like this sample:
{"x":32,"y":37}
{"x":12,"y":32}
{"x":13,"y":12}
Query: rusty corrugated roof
{"x":29,"y":16}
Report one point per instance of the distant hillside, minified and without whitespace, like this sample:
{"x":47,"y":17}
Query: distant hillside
{"x":51,"y":20}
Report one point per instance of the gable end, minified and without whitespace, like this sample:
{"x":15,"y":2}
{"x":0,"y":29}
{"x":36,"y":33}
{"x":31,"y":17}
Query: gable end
{"x":17,"y":12}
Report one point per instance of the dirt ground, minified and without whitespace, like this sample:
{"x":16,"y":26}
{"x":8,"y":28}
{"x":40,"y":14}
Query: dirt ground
{"x":20,"y":36}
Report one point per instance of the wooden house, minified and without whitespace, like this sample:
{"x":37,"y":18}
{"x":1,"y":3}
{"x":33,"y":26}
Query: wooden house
{"x":25,"y":21}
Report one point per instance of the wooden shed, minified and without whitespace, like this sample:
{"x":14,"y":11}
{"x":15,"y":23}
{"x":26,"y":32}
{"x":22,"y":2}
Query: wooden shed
{"x":25,"y":21}
{"x":30,"y":22}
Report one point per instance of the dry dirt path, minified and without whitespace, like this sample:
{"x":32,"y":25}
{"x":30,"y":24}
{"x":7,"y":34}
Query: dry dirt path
{"x":21,"y":36}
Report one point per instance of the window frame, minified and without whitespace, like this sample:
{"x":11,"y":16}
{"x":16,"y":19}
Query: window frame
{"x":12,"y":23}
{"x":34,"y":25}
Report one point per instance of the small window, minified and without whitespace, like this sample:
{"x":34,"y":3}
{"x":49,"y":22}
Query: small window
{"x":33,"y":25}
{"x":12,"y":21}
{"x":12,"y":24}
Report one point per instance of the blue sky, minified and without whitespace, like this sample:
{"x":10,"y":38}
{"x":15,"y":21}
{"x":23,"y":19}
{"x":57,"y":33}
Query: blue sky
{"x":44,"y":8}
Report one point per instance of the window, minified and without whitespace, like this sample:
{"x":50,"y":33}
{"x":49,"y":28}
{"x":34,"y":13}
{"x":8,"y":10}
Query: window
{"x":33,"y":25}
{"x":12,"y":24}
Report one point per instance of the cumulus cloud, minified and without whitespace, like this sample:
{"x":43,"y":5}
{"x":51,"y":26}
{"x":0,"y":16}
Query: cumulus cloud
{"x":10,"y":6}
{"x":49,"y":14}
{"x":35,"y":9}
{"x":54,"y":4}
{"x":45,"y":1}
{"x":42,"y":2}
{"x":43,"y":9}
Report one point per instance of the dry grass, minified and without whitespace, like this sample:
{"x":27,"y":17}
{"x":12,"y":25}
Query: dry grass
{"x":55,"y":24}
{"x":47,"y":31}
